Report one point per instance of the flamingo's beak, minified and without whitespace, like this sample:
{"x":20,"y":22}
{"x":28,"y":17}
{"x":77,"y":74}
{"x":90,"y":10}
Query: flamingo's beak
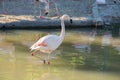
{"x":46,"y":13}
{"x":71,"y":21}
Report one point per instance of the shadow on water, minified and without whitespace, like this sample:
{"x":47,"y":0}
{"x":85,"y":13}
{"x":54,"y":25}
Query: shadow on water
{"x":116,"y":30}
{"x":97,"y":58}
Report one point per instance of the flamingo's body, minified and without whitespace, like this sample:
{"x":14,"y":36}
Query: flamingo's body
{"x":49,"y":43}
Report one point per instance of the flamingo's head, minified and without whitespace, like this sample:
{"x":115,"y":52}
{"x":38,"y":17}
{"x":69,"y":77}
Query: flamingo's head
{"x":66,"y":17}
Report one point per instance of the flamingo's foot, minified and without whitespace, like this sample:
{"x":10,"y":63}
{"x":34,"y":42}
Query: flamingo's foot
{"x":42,"y":17}
{"x":49,"y":62}
{"x":32,"y":54}
{"x":44,"y":61}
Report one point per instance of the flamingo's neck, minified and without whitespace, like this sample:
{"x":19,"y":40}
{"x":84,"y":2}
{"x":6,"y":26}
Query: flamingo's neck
{"x":63,"y":29}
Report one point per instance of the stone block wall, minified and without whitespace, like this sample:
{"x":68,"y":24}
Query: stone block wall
{"x":75,"y":8}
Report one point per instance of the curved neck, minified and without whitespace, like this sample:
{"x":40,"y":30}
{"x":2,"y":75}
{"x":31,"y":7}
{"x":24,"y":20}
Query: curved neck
{"x":63,"y":28}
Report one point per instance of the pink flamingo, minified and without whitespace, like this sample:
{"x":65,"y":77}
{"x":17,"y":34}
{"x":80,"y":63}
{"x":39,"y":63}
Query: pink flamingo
{"x":49,"y":43}
{"x":47,"y":6}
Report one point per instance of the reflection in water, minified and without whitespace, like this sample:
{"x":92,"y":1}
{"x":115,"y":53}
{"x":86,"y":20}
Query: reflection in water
{"x":7,"y":48}
{"x":106,"y":39}
{"x":116,"y":44}
{"x":81,"y":47}
{"x":84,"y":55}
{"x":87,"y":40}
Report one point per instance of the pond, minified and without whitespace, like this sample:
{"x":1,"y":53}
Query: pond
{"x":85,"y":54}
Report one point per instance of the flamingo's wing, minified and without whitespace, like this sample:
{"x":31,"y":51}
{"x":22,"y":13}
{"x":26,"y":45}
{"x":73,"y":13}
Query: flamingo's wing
{"x":52,"y":42}
{"x":39,"y":42}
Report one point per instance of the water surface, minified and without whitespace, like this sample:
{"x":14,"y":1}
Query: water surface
{"x":83,"y":55}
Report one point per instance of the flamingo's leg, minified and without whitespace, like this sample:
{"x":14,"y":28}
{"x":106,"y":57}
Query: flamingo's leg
{"x":35,"y":11}
{"x":47,"y":5}
{"x":55,"y":3}
{"x":44,"y":61}
{"x":48,"y":58}
{"x":4,"y":10}
{"x":40,"y":10}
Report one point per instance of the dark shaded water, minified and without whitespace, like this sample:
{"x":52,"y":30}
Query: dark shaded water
{"x":83,"y":55}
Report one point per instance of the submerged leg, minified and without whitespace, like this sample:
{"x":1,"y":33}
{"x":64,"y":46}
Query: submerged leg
{"x":48,"y":58}
{"x":44,"y":61}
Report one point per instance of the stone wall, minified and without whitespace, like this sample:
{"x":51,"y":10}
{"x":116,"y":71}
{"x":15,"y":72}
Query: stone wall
{"x":83,"y":12}
{"x":75,"y":8}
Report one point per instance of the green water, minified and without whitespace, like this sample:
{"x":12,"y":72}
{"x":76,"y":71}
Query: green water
{"x":81,"y":56}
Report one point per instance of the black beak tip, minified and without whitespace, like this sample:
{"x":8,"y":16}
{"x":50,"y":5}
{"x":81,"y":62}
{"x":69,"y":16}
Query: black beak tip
{"x":71,"y":21}
{"x":46,"y":13}
{"x":37,"y":0}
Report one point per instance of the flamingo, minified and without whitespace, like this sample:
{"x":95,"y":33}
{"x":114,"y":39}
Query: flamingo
{"x":49,"y":43}
{"x":47,"y":6}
